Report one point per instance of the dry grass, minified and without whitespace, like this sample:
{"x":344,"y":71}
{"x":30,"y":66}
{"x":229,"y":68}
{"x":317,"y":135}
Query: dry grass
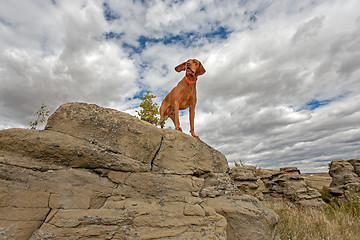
{"x":339,"y":221}
{"x":317,"y":180}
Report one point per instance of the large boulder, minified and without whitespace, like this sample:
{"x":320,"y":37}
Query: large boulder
{"x":344,"y":176}
{"x":97,"y":173}
{"x":356,"y":164}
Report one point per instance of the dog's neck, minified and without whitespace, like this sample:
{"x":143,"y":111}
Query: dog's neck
{"x":189,"y":81}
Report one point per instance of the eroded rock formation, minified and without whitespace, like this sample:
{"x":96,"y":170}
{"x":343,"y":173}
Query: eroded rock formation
{"x":247,"y":181}
{"x":98,"y":173}
{"x":345,"y":176}
{"x":285,"y":185}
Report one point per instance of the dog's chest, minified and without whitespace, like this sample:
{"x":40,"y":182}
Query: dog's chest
{"x":188,"y":99}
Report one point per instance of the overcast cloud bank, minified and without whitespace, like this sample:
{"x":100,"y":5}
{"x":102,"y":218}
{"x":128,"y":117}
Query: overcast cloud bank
{"x":282,"y":83}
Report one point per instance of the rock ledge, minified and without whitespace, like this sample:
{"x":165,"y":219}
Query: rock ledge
{"x":97,"y":173}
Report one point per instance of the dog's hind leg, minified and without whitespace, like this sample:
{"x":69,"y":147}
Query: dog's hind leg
{"x":170,"y":112}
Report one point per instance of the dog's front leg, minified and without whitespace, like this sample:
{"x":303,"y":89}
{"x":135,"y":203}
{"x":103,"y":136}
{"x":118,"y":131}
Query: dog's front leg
{"x":177,"y":121}
{"x":191,"y":118}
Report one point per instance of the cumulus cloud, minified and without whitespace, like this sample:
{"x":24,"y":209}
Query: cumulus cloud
{"x":281,"y":86}
{"x":76,"y":65}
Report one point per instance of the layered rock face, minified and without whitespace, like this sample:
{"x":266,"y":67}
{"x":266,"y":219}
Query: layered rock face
{"x":247,"y":181}
{"x":98,"y":173}
{"x":345,"y":176}
{"x":287,"y":184}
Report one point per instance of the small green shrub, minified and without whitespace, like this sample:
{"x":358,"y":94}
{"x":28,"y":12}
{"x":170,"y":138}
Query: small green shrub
{"x":150,"y":110}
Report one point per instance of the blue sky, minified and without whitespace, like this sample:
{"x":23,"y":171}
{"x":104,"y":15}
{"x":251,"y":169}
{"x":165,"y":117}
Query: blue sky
{"x":186,"y":39}
{"x":316,"y":103}
{"x":282,"y":77}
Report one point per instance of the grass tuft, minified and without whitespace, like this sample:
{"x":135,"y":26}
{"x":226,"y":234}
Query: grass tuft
{"x":340,"y":220}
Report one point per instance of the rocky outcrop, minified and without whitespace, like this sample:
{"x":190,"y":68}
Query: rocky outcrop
{"x":98,"y":173}
{"x":356,"y":164}
{"x":288,"y":185}
{"x":345,"y":176}
{"x":246,"y":180}
{"x":285,"y":185}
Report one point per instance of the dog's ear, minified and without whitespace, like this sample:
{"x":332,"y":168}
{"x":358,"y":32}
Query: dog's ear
{"x":201,"y":70}
{"x":181,"y":67}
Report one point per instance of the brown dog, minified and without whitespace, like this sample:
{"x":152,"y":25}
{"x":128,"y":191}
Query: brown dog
{"x":183,"y":95}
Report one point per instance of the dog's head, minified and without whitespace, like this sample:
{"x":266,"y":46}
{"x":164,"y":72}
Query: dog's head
{"x":192,"y":67}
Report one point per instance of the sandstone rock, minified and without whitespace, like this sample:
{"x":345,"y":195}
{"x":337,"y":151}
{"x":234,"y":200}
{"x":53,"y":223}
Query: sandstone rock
{"x":111,"y":131}
{"x":97,"y":173}
{"x":245,"y":173}
{"x":65,"y":150}
{"x":181,"y":153}
{"x":356,"y":164}
{"x":218,"y":184}
{"x":344,"y":176}
{"x":246,"y":180}
{"x":243,"y":213}
{"x":288,"y":185}
{"x":138,"y":145}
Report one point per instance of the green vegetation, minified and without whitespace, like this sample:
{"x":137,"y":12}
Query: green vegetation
{"x":150,"y":110}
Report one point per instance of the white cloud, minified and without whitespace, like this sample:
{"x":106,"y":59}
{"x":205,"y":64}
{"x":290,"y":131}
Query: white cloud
{"x":82,"y":67}
{"x":309,"y":29}
{"x":265,"y":61}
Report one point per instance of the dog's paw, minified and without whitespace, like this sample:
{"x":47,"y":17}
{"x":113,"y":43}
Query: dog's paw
{"x":179,"y":129}
{"x":195,"y":136}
